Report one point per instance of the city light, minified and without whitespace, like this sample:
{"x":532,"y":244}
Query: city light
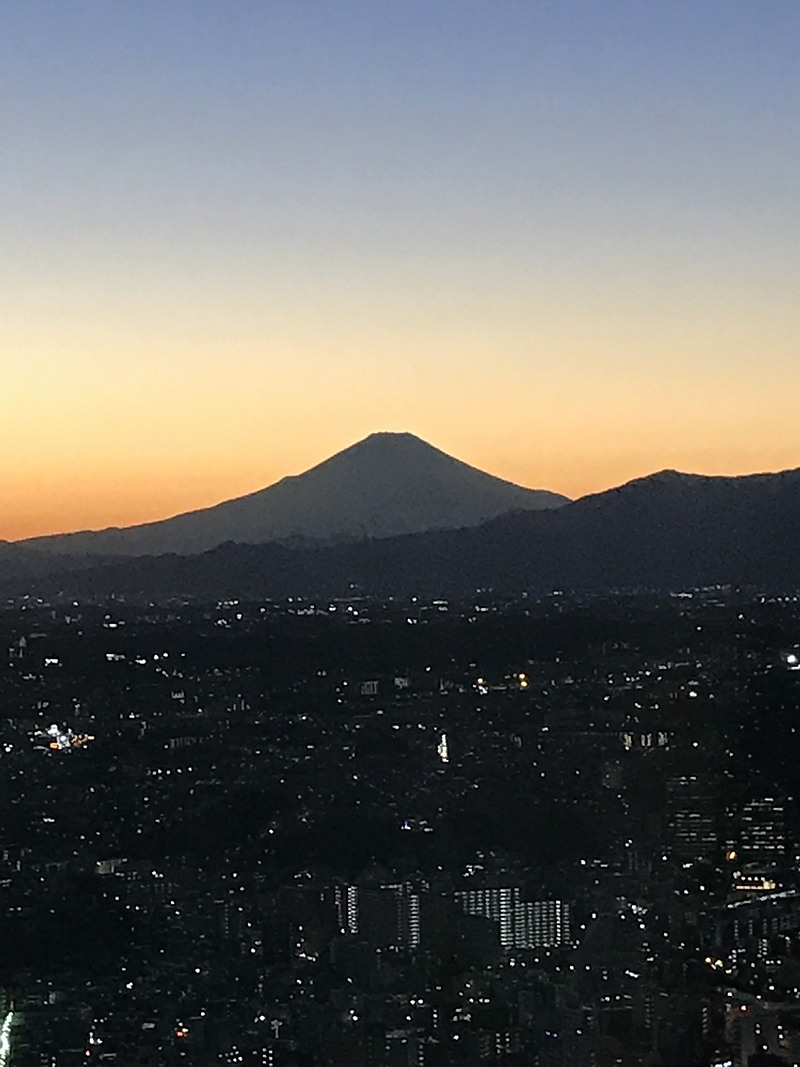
{"x":441,"y":749}
{"x":258,"y":769}
{"x":62,"y":739}
{"x":5,"y":1039}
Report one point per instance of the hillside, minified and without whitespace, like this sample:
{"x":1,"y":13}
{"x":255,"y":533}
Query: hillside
{"x":385,"y":485}
{"x":665,"y":532}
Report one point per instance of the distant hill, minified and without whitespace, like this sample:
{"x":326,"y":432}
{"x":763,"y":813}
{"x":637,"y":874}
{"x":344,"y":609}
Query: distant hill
{"x":385,"y":485}
{"x":668,"y":531}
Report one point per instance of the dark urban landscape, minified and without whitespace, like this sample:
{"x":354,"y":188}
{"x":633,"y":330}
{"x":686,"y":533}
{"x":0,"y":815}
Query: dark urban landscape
{"x":406,"y":833}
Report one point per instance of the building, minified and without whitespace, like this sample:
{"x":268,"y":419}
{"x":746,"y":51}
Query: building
{"x":762,"y":831}
{"x":521,"y":923}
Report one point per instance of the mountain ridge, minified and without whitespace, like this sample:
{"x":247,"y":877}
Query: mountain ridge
{"x":384,"y":485}
{"x":659,"y":532}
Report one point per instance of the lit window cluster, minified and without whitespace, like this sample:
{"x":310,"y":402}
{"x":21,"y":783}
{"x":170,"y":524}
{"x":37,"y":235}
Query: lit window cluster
{"x":63,"y":739}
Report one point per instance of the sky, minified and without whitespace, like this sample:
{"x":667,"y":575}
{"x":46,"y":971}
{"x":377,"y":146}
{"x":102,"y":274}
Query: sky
{"x":558,"y":240}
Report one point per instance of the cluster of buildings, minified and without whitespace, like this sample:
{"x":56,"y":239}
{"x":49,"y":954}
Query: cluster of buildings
{"x":412,"y":834}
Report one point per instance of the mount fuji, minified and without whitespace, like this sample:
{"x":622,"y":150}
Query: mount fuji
{"x":386,"y":485}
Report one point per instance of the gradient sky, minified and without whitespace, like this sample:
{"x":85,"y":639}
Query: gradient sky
{"x":559,"y":240}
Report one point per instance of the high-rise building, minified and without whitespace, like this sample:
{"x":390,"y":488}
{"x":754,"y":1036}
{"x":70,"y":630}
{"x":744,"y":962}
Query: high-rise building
{"x":407,"y":911}
{"x":541,"y":924}
{"x":692,"y":804}
{"x":762,"y":836}
{"x":345,"y":899}
{"x":521,"y":923}
{"x":492,"y":903}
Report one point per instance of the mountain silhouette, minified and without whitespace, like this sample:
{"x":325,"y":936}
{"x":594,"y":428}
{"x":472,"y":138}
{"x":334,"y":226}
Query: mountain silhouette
{"x":385,"y":485}
{"x":668,"y":531}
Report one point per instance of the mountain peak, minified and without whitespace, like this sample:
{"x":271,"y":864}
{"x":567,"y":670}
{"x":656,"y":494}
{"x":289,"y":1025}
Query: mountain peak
{"x":389,"y":435}
{"x":384,"y":485}
{"x":383,"y":443}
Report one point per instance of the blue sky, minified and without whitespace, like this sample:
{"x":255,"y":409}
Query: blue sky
{"x":240,"y":235}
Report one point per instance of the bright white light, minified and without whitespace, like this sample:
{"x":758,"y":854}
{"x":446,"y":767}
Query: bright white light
{"x":5,"y":1039}
{"x":441,"y":749}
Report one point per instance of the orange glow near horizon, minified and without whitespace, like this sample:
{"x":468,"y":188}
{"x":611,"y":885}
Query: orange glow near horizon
{"x":239,"y":238}
{"x":127,"y":418}
{"x":77,"y":485}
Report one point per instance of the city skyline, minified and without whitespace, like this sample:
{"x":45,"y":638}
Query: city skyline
{"x":555,"y":241}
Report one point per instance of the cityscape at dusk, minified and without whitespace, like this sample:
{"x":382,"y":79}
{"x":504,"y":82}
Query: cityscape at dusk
{"x":399,"y":526}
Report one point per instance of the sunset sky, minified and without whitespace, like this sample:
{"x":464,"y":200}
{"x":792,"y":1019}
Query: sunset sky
{"x":559,"y":240}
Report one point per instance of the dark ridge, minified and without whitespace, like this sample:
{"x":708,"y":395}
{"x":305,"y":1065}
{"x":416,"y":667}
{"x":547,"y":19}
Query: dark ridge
{"x":665,"y":532}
